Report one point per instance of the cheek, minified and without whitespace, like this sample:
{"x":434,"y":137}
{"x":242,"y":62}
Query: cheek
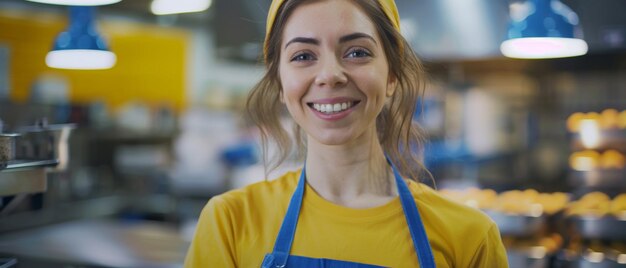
{"x":285,"y":84}
{"x":290,"y":90}
{"x":293,"y":86}
{"x":375,"y":83}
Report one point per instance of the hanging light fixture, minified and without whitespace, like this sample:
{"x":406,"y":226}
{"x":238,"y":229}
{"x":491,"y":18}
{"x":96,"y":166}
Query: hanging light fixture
{"x":77,"y":2}
{"x":167,"y":7}
{"x":543,"y":29}
{"x":80,"y":46}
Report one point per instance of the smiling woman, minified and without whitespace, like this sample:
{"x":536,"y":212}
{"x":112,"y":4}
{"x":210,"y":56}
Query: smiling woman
{"x":350,"y":82}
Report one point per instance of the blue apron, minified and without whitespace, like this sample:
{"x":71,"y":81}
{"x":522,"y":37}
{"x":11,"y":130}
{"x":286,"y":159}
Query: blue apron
{"x":280,"y":258}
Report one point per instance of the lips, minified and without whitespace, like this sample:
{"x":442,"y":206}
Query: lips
{"x":333,"y":105}
{"x":331,"y":108}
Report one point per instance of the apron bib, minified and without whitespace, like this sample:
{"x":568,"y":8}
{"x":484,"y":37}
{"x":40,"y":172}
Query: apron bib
{"x":280,"y":257}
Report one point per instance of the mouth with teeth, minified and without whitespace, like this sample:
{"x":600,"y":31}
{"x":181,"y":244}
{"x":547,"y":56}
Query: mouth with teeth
{"x":332,"y":108}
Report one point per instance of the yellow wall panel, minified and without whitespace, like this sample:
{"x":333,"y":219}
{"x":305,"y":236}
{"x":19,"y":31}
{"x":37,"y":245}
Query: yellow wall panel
{"x":150,"y":66}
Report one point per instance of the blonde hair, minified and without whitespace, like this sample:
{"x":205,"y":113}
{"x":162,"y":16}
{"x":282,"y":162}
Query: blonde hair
{"x":400,"y":138}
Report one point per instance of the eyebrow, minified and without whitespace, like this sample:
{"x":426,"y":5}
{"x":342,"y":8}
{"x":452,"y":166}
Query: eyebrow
{"x":354,"y":36}
{"x":305,"y":40}
{"x":343,"y":39}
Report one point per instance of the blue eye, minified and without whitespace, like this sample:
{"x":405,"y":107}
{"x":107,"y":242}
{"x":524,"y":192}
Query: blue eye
{"x":302,"y":57}
{"x":358,"y":53}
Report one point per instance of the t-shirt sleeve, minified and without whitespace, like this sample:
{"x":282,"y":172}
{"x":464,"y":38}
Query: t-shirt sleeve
{"x":490,"y":252}
{"x":213,"y":244}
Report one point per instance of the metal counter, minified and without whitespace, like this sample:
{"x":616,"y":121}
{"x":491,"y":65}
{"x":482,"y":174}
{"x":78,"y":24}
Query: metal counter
{"x":98,"y":243}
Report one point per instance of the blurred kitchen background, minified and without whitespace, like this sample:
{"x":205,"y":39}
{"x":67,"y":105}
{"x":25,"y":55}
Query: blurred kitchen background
{"x":110,"y":167}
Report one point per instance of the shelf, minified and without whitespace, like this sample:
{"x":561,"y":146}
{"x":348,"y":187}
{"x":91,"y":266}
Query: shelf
{"x":116,"y":135}
{"x":605,"y":228}
{"x":517,"y":225}
{"x":598,"y":178}
{"x":609,"y":139}
{"x":21,"y":164}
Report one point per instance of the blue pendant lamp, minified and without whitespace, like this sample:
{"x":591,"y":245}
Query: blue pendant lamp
{"x":80,"y":46}
{"x":547,"y":29}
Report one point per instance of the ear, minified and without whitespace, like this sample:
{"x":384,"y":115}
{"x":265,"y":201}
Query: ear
{"x":392,"y":82}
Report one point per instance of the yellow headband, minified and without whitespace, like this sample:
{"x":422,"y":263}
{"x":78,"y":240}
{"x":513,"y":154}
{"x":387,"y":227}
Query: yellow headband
{"x":389,"y":7}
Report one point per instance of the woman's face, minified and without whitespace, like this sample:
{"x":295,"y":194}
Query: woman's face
{"x":333,"y":71}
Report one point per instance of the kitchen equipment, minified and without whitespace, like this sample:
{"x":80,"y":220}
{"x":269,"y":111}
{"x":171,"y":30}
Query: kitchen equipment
{"x":44,"y":142}
{"x":7,"y":148}
{"x":8,"y":263}
{"x":27,"y":155}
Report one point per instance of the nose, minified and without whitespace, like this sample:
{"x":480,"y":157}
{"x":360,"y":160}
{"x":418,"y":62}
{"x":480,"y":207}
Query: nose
{"x":331,"y":73}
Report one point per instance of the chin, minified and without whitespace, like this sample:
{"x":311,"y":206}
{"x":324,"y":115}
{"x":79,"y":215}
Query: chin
{"x":339,"y":137}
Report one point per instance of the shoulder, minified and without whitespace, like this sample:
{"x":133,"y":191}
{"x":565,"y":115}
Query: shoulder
{"x":431,"y":202}
{"x":450,"y":219}
{"x":258,"y":194}
{"x":468,"y":233}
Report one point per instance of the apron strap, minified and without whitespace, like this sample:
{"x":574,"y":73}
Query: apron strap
{"x":413,"y":219}
{"x":287,"y":232}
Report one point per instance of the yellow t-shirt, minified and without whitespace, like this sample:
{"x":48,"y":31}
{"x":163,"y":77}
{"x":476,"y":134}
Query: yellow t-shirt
{"x":237,"y":229}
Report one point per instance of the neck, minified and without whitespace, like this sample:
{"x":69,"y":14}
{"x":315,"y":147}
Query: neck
{"x":353,"y":175}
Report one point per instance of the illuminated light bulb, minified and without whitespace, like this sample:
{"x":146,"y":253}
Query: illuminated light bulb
{"x":537,"y":252}
{"x":595,"y":257}
{"x":590,"y":133}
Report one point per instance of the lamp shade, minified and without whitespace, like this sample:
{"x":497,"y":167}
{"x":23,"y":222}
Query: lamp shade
{"x":168,"y":7}
{"x":548,"y":29}
{"x":80,"y":46}
{"x":77,"y":2}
